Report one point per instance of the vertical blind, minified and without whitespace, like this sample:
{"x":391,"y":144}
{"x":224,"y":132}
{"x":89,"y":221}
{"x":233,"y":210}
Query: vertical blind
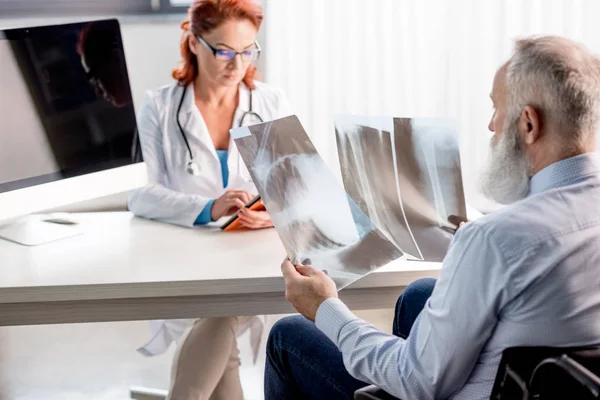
{"x":407,"y":58}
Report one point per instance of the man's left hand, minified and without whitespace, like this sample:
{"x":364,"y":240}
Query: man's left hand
{"x":307,"y":288}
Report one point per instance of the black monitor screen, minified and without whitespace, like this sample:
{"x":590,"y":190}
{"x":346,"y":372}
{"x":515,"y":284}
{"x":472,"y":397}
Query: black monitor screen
{"x":65,"y":103}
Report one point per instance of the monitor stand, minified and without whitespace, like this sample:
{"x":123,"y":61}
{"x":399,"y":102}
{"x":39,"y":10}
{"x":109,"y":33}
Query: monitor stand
{"x":34,"y":230}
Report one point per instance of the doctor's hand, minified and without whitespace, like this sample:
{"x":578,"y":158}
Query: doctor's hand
{"x":307,"y":288}
{"x":229,"y":203}
{"x":253,"y":219}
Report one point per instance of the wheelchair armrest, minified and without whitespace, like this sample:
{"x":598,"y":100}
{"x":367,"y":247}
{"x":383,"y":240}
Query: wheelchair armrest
{"x":372,"y":393}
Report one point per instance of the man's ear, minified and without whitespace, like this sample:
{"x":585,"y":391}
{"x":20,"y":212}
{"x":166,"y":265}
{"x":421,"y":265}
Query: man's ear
{"x":530,"y":125}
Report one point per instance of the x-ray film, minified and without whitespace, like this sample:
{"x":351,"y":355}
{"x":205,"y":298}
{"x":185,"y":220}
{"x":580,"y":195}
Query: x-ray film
{"x":405,"y":175}
{"x":318,"y":223}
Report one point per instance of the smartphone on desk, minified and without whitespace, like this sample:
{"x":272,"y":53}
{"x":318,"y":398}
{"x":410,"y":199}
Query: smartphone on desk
{"x":232,"y":223}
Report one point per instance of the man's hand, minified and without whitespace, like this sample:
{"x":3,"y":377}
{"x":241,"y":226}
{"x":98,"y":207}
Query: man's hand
{"x":307,"y":288}
{"x":461,"y":225}
{"x":456,"y":220}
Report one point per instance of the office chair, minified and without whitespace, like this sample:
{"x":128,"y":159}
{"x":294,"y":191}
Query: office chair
{"x":541,"y":373}
{"x":548,"y":373}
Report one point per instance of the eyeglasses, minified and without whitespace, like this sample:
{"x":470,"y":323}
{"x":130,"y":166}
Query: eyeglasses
{"x":228,"y":55}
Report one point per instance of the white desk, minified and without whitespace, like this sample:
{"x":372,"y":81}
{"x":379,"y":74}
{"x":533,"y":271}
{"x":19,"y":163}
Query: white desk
{"x":125,"y":268}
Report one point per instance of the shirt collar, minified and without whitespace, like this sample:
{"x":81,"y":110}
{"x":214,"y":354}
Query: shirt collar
{"x":564,"y":172}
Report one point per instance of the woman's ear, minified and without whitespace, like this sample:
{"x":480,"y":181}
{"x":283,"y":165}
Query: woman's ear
{"x":192,"y":43}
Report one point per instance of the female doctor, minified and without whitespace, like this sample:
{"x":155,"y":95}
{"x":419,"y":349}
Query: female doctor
{"x":196,"y":175}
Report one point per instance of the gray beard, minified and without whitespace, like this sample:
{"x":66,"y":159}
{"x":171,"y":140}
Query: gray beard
{"x":506,"y":176}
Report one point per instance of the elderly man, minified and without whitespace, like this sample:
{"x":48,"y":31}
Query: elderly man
{"x":526,"y":275}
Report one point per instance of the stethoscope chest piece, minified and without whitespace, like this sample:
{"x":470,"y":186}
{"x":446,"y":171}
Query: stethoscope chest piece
{"x":193,"y":168}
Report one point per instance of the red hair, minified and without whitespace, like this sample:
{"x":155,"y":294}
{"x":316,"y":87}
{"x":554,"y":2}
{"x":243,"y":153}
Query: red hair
{"x":203,"y":17}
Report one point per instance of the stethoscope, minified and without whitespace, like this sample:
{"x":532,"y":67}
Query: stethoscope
{"x":192,"y":167}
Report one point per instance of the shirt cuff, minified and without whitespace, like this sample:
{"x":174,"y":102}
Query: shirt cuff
{"x":332,"y":316}
{"x":204,"y":217}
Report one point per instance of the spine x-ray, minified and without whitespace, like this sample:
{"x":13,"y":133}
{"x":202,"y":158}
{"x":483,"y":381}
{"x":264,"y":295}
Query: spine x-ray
{"x":401,"y":180}
{"x":405,"y":175}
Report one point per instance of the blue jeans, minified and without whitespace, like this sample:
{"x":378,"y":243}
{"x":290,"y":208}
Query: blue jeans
{"x":302,"y":363}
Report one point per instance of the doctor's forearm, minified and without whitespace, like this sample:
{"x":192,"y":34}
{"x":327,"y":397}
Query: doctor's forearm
{"x":204,"y":217}
{"x":159,"y":203}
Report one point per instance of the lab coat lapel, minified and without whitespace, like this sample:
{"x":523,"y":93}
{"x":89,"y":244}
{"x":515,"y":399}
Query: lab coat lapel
{"x":194,"y":126}
{"x":243,"y":104}
{"x":197,"y":132}
{"x":234,"y":161}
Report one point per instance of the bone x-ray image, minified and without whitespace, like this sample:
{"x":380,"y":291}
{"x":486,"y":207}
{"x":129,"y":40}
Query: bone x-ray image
{"x":405,"y":175}
{"x":318,"y":223}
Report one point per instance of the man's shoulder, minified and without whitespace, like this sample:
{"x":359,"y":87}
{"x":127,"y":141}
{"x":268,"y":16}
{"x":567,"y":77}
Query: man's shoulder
{"x":521,"y":225}
{"x":506,"y":218}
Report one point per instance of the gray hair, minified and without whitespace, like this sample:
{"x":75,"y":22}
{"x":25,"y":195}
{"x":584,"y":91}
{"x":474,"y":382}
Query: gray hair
{"x":560,"y":79}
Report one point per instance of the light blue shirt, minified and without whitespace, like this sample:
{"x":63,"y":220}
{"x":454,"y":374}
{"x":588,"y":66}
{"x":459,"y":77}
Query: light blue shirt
{"x":527,"y":275}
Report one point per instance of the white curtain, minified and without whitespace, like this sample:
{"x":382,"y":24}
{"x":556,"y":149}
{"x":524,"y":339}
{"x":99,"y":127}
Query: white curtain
{"x":407,"y":58}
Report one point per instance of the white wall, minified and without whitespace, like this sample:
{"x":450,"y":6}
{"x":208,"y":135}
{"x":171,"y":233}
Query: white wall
{"x":152,"y":51}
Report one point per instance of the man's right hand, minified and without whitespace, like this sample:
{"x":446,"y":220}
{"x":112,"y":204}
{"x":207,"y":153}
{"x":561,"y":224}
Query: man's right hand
{"x":228,"y":203}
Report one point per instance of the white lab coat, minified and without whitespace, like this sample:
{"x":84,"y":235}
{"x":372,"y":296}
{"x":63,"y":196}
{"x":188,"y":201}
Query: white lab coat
{"x":172,"y":194}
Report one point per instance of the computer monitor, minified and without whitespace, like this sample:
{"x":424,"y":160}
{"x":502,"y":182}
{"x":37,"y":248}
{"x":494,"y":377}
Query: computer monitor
{"x":67,"y":123}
